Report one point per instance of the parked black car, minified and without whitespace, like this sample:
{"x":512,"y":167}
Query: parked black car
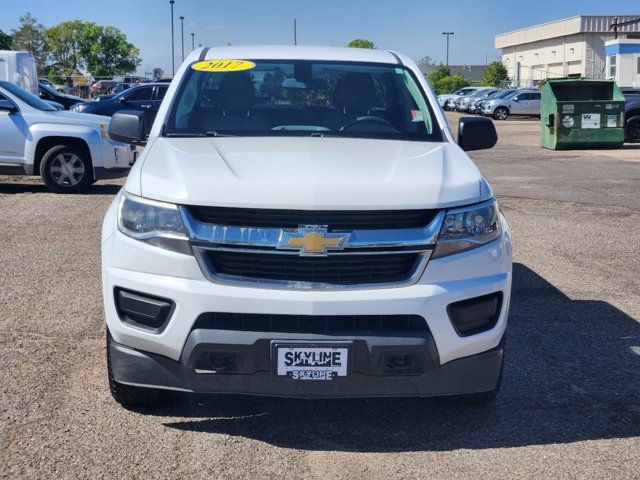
{"x":146,"y":97}
{"x":52,"y":95}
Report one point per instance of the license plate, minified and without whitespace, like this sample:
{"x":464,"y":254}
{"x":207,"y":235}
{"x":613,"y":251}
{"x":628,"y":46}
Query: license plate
{"x":311,"y":362}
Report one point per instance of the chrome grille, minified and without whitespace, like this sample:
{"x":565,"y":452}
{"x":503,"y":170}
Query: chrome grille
{"x":261,"y":252}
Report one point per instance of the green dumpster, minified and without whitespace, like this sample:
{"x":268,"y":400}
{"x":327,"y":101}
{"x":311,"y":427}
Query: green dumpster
{"x":581,"y":113}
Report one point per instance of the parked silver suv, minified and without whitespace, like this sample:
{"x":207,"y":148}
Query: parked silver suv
{"x":462,"y":103}
{"x":448,"y":101}
{"x":520,"y":102}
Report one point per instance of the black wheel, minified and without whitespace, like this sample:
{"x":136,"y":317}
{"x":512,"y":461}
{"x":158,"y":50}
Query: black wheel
{"x":479,"y":398}
{"x":129,"y":396}
{"x":632,"y":130}
{"x":66,"y":169}
{"x":501,"y":113}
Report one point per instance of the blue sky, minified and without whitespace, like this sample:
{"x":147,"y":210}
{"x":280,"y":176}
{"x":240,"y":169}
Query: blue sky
{"x":413,"y":27}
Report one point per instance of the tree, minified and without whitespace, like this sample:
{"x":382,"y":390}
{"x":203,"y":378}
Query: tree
{"x":361,"y":43}
{"x":442,"y":81}
{"x":494,"y":75}
{"x":5,"y":41}
{"x":452,"y":83}
{"x":64,"y":43}
{"x":30,"y":37}
{"x":105,"y":51}
{"x":435,"y":77}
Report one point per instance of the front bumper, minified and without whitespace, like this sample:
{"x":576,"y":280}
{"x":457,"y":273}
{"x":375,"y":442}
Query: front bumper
{"x":476,"y":373}
{"x":164,"y":359}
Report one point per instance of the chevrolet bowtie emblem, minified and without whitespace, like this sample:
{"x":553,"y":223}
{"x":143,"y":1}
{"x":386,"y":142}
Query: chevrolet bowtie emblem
{"x":312,"y":240}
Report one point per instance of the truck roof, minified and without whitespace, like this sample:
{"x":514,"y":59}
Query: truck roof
{"x":290,"y":52}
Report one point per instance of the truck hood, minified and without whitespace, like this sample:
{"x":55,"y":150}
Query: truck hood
{"x":307,"y":173}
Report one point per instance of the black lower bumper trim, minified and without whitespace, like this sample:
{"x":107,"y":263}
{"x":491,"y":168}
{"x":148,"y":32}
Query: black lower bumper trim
{"x":476,"y":373}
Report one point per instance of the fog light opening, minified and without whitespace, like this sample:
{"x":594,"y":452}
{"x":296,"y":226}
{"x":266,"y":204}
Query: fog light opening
{"x":475,"y":315}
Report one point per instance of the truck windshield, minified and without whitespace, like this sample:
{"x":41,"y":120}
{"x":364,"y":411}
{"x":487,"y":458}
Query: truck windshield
{"x":28,"y":98}
{"x":282,"y":97}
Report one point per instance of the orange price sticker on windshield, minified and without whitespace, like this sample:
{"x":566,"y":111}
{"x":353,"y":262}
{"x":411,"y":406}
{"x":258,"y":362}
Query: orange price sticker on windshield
{"x":221,"y":65}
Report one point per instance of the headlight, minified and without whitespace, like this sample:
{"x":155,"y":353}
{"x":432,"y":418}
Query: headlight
{"x":467,"y":228}
{"x":79,"y":107}
{"x":157,"y":223}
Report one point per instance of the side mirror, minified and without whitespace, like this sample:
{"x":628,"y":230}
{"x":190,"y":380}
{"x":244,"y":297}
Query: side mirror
{"x":7,"y":106}
{"x":127,"y":126}
{"x":476,"y":133}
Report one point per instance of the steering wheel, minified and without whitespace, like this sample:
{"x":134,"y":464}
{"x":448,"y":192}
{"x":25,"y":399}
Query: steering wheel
{"x":369,"y":119}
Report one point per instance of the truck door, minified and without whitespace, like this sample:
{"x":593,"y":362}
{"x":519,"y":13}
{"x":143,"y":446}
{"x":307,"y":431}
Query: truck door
{"x":12,"y":135}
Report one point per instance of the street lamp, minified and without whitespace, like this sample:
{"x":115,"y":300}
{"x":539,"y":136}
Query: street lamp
{"x":182,"y":35}
{"x":447,"y":34}
{"x":193,"y":41}
{"x":173,"y":60}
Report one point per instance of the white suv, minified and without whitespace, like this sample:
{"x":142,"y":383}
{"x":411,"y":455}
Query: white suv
{"x":301,"y":223}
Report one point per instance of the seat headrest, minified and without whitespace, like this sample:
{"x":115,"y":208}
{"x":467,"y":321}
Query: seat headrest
{"x":355,"y":93}
{"x":236,"y":92}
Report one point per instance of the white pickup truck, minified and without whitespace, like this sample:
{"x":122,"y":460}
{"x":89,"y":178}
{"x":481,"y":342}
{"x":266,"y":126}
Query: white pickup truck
{"x":69,"y":150}
{"x":303,"y":223}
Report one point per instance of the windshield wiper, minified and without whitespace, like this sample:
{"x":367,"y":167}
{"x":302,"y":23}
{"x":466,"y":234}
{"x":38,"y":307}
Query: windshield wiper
{"x":213,"y":133}
{"x":208,"y":133}
{"x":323,"y":134}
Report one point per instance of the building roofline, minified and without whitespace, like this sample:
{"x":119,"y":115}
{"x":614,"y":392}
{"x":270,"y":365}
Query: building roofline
{"x":545,"y":23}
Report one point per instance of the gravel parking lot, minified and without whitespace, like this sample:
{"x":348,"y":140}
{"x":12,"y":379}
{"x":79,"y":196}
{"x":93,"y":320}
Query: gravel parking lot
{"x":569,"y":407}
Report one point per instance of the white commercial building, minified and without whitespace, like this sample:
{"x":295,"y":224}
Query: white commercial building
{"x":573,"y":47}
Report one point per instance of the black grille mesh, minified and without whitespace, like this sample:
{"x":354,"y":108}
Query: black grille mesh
{"x":311,"y":323}
{"x":335,"y":219}
{"x":341,"y":269}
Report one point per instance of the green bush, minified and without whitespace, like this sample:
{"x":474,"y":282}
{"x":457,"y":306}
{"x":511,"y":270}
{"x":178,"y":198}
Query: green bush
{"x":443,"y":82}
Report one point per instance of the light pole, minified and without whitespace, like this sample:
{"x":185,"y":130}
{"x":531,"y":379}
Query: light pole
{"x":447,"y":34}
{"x":193,"y":41}
{"x":173,"y":60}
{"x":182,"y":35}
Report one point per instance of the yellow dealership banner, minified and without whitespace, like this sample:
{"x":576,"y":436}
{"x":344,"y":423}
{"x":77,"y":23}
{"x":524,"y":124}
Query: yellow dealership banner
{"x":221,"y":65}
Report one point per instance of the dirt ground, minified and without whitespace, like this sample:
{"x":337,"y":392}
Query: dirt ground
{"x":569,"y":407}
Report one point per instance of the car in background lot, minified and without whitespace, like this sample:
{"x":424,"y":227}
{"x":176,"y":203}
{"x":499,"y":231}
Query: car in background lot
{"x":49,"y":94}
{"x":121,"y":87}
{"x":50,"y":84}
{"x":146,"y":97}
{"x":501,"y":93}
{"x":520,"y":102}
{"x":305,"y":248}
{"x":462,"y":103}
{"x":102,"y":87}
{"x":473,"y":104}
{"x":632,"y":118}
{"x":68,"y":150}
{"x":448,"y":101}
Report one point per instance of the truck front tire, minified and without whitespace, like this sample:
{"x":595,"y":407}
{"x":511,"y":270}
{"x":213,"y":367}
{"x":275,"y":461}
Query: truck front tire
{"x":66,"y":169}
